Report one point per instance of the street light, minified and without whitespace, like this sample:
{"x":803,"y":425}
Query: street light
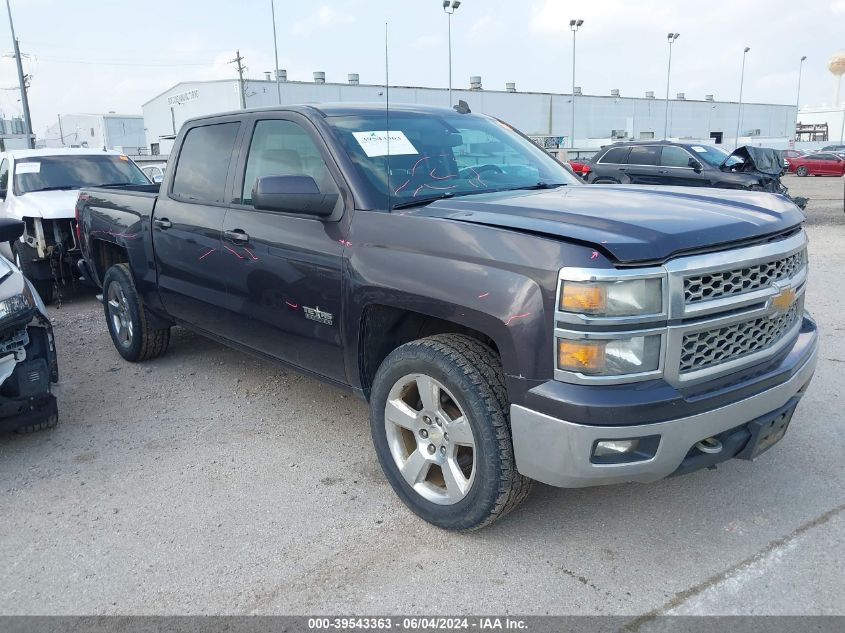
{"x":671,"y":37}
{"x":741,"y":81}
{"x":573,"y":25}
{"x":450,"y":6}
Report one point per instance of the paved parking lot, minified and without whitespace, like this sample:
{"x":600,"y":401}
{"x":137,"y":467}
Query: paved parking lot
{"x":211,"y":482}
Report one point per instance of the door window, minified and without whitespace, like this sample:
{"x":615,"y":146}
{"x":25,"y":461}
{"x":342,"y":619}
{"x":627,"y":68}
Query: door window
{"x":284,"y":148}
{"x":203,"y":162}
{"x":616,"y":156}
{"x":672,"y":156}
{"x":646,"y":155}
{"x":4,"y":175}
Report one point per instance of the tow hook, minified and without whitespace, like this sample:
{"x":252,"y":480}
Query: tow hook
{"x":710,"y":445}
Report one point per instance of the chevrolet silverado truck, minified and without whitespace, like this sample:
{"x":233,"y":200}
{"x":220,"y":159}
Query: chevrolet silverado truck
{"x":40,"y":187}
{"x":505,"y":322}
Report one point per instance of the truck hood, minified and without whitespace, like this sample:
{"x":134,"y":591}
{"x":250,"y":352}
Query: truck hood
{"x":49,"y":205}
{"x":630,"y":223}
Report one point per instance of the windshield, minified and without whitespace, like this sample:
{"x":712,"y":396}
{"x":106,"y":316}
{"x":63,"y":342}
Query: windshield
{"x":40,"y":173}
{"x":714,"y":156}
{"x":446,"y":154}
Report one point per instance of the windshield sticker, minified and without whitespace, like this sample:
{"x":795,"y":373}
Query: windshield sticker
{"x":28,"y":168}
{"x":375,"y":143}
{"x":699,"y":149}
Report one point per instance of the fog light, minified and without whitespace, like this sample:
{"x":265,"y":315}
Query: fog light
{"x":615,"y":447}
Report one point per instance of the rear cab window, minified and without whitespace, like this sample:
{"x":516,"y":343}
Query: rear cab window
{"x":203,"y":164}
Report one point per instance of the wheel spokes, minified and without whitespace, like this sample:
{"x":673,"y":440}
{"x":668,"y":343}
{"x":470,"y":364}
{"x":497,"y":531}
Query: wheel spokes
{"x":429,"y":390}
{"x":460,"y":432}
{"x":400,"y":414}
{"x":457,"y":484}
{"x":415,"y":469}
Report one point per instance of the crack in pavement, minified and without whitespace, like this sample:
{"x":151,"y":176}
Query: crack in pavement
{"x":682,"y":596}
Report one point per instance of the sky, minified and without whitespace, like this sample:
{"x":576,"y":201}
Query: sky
{"x":98,"y":56}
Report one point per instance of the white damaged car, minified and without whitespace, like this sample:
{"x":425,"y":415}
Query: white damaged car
{"x":40,"y":188}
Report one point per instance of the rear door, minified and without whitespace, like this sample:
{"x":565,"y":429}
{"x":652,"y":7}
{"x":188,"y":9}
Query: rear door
{"x":612,"y":165}
{"x":644,"y":165}
{"x":188,"y":222}
{"x":284,"y":270}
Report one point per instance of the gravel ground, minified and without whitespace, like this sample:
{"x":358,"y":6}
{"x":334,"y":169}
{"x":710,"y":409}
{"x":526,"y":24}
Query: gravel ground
{"x":210,"y":482}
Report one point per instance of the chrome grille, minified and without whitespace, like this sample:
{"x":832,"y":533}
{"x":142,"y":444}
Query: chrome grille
{"x":715,"y":285}
{"x":712,"y":347}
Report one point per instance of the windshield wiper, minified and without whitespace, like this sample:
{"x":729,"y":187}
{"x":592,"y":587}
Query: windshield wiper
{"x":58,"y":188}
{"x":539,"y":185}
{"x":417,"y":202}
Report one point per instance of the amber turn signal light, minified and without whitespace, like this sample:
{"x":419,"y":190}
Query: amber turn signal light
{"x":580,"y":356}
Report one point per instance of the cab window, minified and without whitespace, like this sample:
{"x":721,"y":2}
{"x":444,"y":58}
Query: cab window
{"x":284,"y":148}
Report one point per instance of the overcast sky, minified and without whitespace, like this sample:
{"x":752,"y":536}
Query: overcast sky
{"x":102,"y":55}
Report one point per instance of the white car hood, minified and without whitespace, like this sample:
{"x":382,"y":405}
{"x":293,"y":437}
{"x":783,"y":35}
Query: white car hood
{"x":43,"y":204}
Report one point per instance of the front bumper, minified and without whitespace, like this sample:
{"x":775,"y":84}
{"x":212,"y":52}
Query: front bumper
{"x":559,"y":452}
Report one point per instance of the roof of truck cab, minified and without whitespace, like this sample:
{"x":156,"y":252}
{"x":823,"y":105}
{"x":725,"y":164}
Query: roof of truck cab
{"x":336,"y":109}
{"x":58,"y":151}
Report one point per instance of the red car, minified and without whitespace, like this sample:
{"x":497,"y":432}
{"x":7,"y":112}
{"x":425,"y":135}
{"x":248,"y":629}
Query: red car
{"x":580,"y":166}
{"x":821,"y":164}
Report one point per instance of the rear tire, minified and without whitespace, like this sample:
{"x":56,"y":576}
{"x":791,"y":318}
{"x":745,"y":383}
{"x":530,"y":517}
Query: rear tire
{"x":460,"y":483}
{"x":24,"y":259}
{"x":128,"y":320}
{"x":801,"y":171}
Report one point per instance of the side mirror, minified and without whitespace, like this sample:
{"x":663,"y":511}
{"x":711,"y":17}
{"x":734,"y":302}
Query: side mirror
{"x":694,"y":164}
{"x":292,"y":194}
{"x":10,"y":229}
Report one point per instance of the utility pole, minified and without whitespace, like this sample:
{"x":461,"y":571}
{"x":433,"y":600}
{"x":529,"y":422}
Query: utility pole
{"x":739,"y":109}
{"x":24,"y":100}
{"x":276,"y":50}
{"x":671,"y":37}
{"x":573,"y":26}
{"x":241,"y":70}
{"x":61,"y":133}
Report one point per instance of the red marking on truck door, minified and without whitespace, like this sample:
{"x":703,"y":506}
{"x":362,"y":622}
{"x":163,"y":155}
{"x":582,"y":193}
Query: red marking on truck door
{"x":234,"y":252}
{"x":207,"y":253}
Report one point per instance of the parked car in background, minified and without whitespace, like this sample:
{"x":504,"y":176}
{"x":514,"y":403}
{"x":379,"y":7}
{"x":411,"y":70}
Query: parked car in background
{"x":154,"y":172}
{"x":505,"y":321}
{"x":28,"y":364}
{"x":818,"y":164}
{"x":793,"y":153}
{"x":40,"y":188}
{"x":833,"y":148}
{"x":680,"y":164}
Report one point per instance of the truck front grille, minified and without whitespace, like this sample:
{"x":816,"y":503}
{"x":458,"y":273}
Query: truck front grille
{"x":707,"y":348}
{"x":725,"y":283}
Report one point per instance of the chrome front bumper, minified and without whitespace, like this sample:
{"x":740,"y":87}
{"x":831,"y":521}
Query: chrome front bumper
{"x":558,"y":453}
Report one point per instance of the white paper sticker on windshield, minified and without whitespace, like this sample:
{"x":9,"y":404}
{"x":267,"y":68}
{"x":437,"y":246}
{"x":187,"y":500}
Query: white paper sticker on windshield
{"x":699,"y":149}
{"x":375,"y":143}
{"x":28,"y":168}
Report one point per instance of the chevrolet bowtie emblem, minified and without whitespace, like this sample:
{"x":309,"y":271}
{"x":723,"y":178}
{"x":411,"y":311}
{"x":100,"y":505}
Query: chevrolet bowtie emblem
{"x":784,"y":299}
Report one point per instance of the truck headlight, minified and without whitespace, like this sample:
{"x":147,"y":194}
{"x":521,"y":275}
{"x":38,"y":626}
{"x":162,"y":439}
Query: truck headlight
{"x":609,"y":357}
{"x":631,"y":297}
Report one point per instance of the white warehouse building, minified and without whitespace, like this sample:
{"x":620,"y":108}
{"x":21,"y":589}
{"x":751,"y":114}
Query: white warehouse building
{"x":598,"y":119}
{"x":124,"y":132}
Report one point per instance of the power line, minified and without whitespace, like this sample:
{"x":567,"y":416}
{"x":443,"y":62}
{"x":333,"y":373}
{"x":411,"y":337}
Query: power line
{"x":93,"y":62}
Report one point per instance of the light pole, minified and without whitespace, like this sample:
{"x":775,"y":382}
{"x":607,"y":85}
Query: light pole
{"x":671,"y":37}
{"x":276,"y":50}
{"x":573,"y":25}
{"x":450,"y":6}
{"x":739,"y":109}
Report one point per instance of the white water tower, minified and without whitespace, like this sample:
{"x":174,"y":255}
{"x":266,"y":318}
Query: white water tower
{"x":836,"y":65}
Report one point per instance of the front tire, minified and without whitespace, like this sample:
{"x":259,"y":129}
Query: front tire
{"x":801,"y":171}
{"x":128,"y":320}
{"x":441,"y":429}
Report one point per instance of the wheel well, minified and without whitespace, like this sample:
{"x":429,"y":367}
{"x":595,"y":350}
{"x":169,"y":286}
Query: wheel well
{"x":384,"y":328}
{"x":106,"y":255}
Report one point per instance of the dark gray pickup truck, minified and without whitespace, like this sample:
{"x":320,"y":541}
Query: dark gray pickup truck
{"x":505,"y":322}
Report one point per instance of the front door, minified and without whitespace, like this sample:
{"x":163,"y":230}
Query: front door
{"x":284,"y":270}
{"x":187,"y":225}
{"x":675,"y":169}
